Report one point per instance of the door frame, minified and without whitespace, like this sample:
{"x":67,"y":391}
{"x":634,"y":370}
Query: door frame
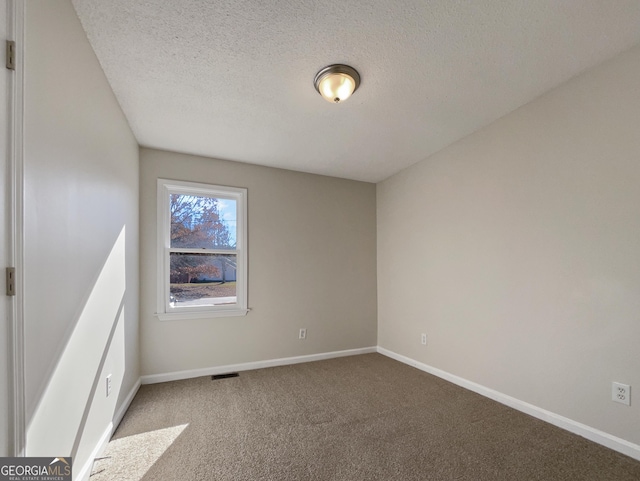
{"x":15,"y":240}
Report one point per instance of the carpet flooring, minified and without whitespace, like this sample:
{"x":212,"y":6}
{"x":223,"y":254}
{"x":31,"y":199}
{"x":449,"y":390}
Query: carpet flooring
{"x":359,"y":418}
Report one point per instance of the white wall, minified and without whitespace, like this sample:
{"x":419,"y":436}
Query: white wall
{"x":81,"y":239}
{"x":517,"y":250}
{"x":312,"y":260}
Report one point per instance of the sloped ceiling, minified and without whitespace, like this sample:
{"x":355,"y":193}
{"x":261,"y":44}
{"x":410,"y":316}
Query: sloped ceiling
{"x":234,"y":79}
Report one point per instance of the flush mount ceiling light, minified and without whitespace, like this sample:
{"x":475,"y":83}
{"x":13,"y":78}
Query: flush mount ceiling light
{"x":337,"y":82}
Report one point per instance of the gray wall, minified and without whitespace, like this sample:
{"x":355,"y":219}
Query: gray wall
{"x":312,"y":257}
{"x":81,"y":239}
{"x":517,"y":250}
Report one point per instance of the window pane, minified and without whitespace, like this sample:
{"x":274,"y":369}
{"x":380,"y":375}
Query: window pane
{"x":202,"y":222}
{"x":202,"y":279}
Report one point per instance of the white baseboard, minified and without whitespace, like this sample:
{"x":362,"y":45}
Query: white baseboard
{"x":85,"y":471}
{"x":617,"y":444}
{"x":122,"y":410}
{"x":210,"y":371}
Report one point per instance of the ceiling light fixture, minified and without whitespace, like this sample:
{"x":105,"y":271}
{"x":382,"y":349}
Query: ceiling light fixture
{"x":337,"y":82}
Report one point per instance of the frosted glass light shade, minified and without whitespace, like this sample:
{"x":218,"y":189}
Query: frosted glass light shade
{"x":336,"y":83}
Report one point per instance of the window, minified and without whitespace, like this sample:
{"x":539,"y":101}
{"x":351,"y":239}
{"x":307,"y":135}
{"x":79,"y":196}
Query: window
{"x":202,"y":250}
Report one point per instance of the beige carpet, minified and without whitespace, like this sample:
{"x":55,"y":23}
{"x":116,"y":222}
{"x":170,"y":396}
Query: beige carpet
{"x":350,"y":419}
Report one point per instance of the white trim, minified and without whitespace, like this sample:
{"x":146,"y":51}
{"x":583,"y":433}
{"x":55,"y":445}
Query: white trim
{"x":164,"y":310}
{"x":85,"y":471}
{"x":592,"y":434}
{"x":179,"y":316}
{"x":122,"y":410}
{"x":183,"y":250}
{"x":247,"y":366}
{"x":161,"y":222}
{"x":16,"y":18}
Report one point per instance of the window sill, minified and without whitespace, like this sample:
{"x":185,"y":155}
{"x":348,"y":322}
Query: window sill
{"x":178,"y":316}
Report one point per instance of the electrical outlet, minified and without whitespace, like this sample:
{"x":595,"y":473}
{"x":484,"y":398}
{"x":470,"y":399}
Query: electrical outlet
{"x":303,"y":334}
{"x":621,"y":393}
{"x":108,"y":385}
{"x":424,"y":339}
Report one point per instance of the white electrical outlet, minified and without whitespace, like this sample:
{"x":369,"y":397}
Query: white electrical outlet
{"x":108,"y":385}
{"x":424,"y":339}
{"x":621,"y":393}
{"x":303,"y":334}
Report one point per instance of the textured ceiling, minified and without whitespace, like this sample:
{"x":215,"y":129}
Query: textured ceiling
{"x":234,"y":79}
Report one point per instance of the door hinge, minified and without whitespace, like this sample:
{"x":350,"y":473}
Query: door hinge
{"x":11,"y":55}
{"x":11,"y":281}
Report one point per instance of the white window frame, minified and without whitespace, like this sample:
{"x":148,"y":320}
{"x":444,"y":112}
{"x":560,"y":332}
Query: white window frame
{"x":165,"y":311}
